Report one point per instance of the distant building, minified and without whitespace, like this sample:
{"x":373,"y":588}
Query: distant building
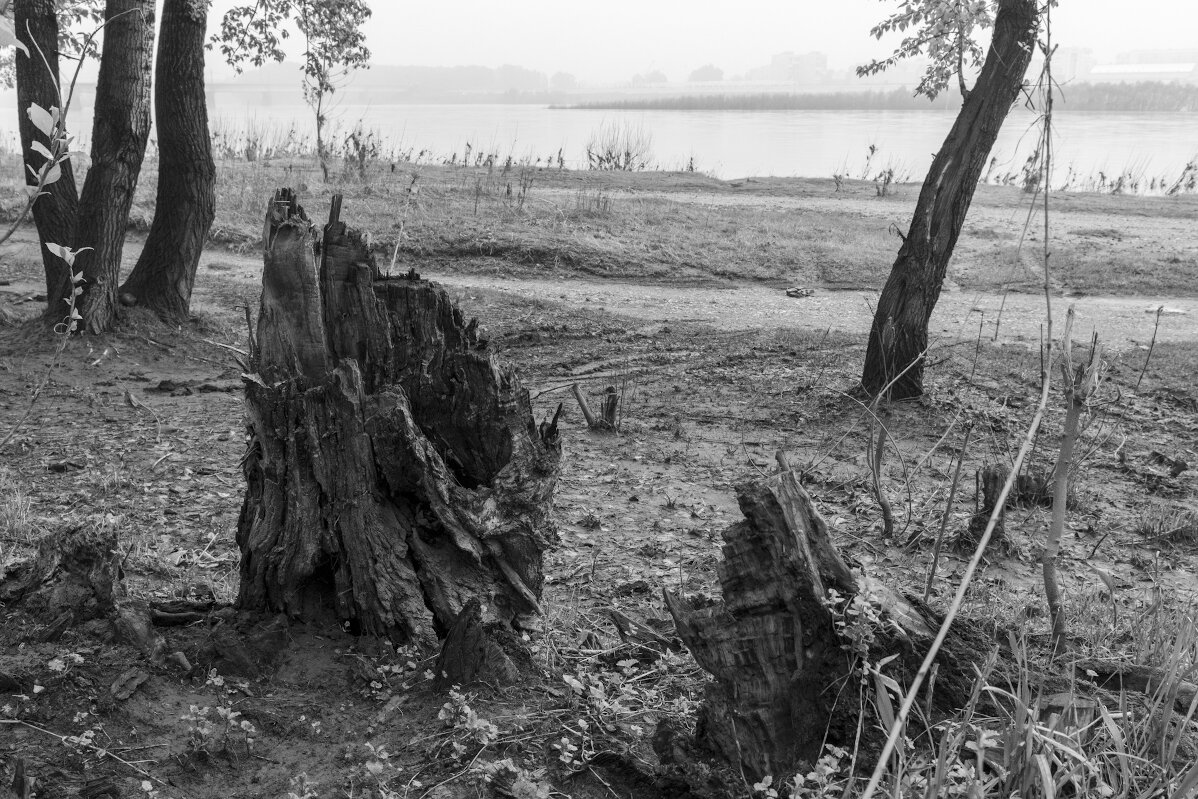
{"x":1178,"y":72}
{"x":798,"y":68}
{"x":1157,"y":56}
{"x":1072,"y":63}
{"x":1134,"y":66}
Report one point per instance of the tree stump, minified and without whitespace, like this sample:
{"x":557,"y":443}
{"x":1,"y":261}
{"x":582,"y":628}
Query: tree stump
{"x":75,"y":578}
{"x":772,"y":645}
{"x":394,"y":471}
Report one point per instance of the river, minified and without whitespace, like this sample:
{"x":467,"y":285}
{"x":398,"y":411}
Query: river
{"x":732,"y":144}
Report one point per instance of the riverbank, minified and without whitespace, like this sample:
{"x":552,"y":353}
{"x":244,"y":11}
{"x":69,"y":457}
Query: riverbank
{"x":690,"y":228}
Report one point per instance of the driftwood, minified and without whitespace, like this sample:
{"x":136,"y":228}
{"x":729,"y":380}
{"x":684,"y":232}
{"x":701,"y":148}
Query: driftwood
{"x":772,"y":645}
{"x":609,"y":410}
{"x":395,"y":471}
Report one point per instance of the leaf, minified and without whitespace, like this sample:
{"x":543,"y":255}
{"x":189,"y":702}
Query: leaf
{"x":8,"y":36}
{"x":65,"y":253}
{"x":41,"y":119}
{"x":1107,"y":578}
{"x":41,"y":149}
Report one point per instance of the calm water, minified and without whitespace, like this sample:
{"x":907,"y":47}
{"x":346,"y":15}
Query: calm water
{"x":734,"y":144}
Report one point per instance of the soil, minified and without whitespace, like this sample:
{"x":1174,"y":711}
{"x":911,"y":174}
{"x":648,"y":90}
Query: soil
{"x":141,"y":432}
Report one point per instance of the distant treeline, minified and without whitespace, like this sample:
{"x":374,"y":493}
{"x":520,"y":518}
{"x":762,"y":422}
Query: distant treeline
{"x":1143,"y":96}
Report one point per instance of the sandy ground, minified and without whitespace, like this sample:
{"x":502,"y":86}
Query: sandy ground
{"x":1121,"y":321}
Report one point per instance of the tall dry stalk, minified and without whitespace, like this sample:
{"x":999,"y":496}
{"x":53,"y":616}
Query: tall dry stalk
{"x":1080,"y":384}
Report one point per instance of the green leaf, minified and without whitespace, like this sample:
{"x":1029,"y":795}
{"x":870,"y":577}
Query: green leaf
{"x":42,"y":119}
{"x":65,"y":253}
{"x":8,"y":36}
{"x":41,"y":149}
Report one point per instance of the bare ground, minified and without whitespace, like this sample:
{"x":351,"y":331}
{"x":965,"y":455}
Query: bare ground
{"x":142,"y":431}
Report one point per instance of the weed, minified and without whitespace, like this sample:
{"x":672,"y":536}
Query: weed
{"x":16,"y":511}
{"x":1166,"y":523}
{"x":622,"y":147}
{"x":217,"y":729}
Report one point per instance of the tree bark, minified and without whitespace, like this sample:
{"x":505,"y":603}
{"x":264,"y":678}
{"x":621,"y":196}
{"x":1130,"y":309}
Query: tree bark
{"x":54,"y":213}
{"x":395,"y":471}
{"x":899,"y":335}
{"x":165,"y":272}
{"x":119,"y":135}
{"x":773,"y":647}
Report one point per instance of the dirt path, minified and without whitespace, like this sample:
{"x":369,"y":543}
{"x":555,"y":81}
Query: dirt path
{"x":1121,"y":321}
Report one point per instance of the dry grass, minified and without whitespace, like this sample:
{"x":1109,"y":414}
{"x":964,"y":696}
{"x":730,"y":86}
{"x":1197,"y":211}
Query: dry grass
{"x":500,"y":213}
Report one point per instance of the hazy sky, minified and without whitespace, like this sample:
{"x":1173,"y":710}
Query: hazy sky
{"x":613,"y":39}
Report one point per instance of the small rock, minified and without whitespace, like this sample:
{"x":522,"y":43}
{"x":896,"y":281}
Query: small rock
{"x":129,"y":681}
{"x":179,"y":659}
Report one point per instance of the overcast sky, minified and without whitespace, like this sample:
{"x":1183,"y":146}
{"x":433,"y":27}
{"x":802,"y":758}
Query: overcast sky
{"x":614,"y":39}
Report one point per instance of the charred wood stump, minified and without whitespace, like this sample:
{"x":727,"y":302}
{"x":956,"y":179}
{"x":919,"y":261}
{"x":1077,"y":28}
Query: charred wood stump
{"x":1031,"y":488}
{"x":394,"y":471}
{"x":784,"y":676}
{"x":990,"y":481}
{"x":475,"y":652}
{"x":75,"y":578}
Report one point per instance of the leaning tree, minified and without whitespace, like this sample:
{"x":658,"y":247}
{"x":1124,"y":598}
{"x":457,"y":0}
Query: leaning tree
{"x":943,"y":30}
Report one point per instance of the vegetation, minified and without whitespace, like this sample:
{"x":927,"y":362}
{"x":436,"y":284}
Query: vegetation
{"x":409,"y":482}
{"x":93,"y":220}
{"x":899,"y":336}
{"x":1141,"y":97}
{"x":334,"y":46}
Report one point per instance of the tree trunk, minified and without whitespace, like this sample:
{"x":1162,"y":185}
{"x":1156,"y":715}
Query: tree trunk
{"x":54,"y":213}
{"x":119,"y":135}
{"x":899,"y":335}
{"x":164,"y":275}
{"x":773,"y":647}
{"x":394,"y":471}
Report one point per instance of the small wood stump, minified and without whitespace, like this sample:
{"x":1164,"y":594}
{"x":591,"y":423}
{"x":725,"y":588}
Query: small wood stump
{"x":395,"y":471}
{"x":73,"y":577}
{"x":772,"y":646}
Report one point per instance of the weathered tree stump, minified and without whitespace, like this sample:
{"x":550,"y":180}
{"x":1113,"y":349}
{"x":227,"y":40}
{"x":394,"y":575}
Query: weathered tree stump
{"x":395,"y":471}
{"x":772,"y":645}
{"x":75,"y":578}
{"x":989,"y":481}
{"x":1034,"y":487}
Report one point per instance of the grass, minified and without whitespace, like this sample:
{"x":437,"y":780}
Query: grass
{"x":16,"y":513}
{"x":533,"y":216}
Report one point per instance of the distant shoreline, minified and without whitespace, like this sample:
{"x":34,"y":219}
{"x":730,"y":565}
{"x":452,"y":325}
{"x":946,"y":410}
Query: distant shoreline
{"x":1146,"y":96}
